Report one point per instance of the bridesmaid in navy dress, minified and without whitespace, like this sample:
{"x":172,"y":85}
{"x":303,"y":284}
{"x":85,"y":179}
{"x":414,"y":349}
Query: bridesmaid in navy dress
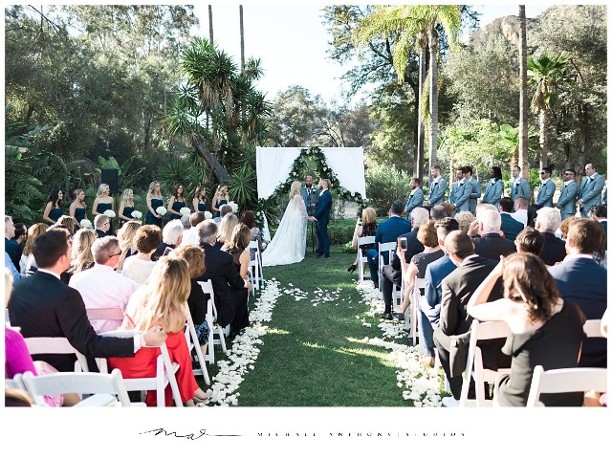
{"x":102,"y":203}
{"x":154,"y":201}
{"x":177,"y":202}
{"x":78,"y":208}
{"x":221,"y":197}
{"x":126,"y":206}
{"x":199,"y":199}
{"x":53,"y":209}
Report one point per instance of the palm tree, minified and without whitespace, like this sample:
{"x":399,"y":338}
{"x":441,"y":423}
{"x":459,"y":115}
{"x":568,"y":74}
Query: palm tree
{"x":523,"y":159}
{"x":546,"y":72}
{"x":241,"y":39}
{"x":415,"y":26}
{"x":210,"y":24}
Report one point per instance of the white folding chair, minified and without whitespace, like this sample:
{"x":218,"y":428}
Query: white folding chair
{"x":362,"y":258}
{"x":217,"y":333}
{"x":419,"y":283}
{"x":387,"y":249}
{"x":7,"y":319}
{"x":107,"y":389}
{"x":592,"y":328}
{"x":56,"y":346}
{"x":165,"y":373}
{"x":565,"y":381}
{"x":486,"y":330}
{"x":16,"y":383}
{"x":101,"y":317}
{"x":192,"y":342}
{"x":255,"y":267}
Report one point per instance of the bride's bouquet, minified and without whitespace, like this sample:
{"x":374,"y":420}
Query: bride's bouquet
{"x":161,"y":210}
{"x":185,"y":211}
{"x":136,"y":214}
{"x":110,"y":213}
{"x":234,"y":207}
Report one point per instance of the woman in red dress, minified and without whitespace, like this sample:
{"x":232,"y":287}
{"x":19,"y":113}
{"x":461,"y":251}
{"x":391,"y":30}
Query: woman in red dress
{"x":162,"y":303}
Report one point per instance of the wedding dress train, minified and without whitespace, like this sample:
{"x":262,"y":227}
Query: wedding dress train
{"x":288,"y":245}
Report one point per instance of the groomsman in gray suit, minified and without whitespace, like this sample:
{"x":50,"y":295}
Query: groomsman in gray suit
{"x":415,"y":199}
{"x":495,"y":187}
{"x":590,"y":190}
{"x":569,"y":192}
{"x":460,"y":195}
{"x":476,"y":190}
{"x":518,"y":185}
{"x":310,"y":195}
{"x":437,"y":187}
{"x":547,"y":189}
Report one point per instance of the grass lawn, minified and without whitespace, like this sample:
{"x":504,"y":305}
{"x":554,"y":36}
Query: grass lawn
{"x":312,"y":355}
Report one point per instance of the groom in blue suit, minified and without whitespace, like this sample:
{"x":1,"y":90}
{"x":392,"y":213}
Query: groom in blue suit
{"x":321,"y":217}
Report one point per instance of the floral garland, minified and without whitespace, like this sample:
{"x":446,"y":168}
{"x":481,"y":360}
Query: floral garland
{"x":298,"y":170}
{"x":421,"y":384}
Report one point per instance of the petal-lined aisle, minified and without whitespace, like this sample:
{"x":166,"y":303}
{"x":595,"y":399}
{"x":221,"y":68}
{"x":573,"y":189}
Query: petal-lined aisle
{"x":323,"y":346}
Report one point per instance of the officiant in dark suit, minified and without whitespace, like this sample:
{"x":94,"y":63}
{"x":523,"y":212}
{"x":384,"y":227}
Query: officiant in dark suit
{"x":321,"y":217}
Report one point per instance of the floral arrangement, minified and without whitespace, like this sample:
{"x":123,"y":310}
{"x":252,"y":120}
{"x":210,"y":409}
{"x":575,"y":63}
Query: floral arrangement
{"x":86,"y":223}
{"x":207,"y":215}
{"x":110,"y":213}
{"x":234,"y":207}
{"x":185,"y":211}
{"x":161,"y":211}
{"x":136,"y":214}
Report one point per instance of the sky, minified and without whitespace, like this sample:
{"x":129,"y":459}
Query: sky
{"x":291,"y":42}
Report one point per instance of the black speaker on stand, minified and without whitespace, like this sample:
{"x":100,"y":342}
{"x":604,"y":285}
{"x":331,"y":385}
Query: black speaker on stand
{"x":110,"y":176}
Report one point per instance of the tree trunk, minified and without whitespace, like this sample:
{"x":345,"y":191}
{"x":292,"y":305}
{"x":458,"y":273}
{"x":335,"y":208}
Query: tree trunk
{"x":543,"y":138}
{"x":420,"y":124}
{"x":210,"y":24}
{"x":433,"y":88}
{"x":216,"y":168}
{"x":585,"y":136}
{"x":523,"y":151}
{"x":241,"y":40}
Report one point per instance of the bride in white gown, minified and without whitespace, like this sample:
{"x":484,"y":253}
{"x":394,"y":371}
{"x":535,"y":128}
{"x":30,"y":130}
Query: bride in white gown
{"x":288,"y":245}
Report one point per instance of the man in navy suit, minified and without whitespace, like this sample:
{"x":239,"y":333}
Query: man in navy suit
{"x":490,"y":244}
{"x":582,"y":280}
{"x":43,"y":306}
{"x":510,"y":226}
{"x":387,"y":232}
{"x":321,"y":217}
{"x":547,"y":189}
{"x":416,"y":196}
{"x":590,"y":189}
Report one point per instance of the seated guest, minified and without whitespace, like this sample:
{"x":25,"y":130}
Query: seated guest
{"x":138,"y":267}
{"x":190,"y":236}
{"x":521,"y":205}
{"x":224,"y":210}
{"x":222,"y":272}
{"x":547,"y":222}
{"x":12,"y":247}
{"x":68,"y":222}
{"x":238,"y":248}
{"x":8,"y":263}
{"x":366,"y":226}
{"x":582,"y":280}
{"x":82,"y":256}
{"x":438,"y":212}
{"x":564,"y":226}
{"x":454,"y":326}
{"x":248,"y":219}
{"x":126,"y":235}
{"x":392,"y":273}
{"x":93,"y":284}
{"x":102,"y":224}
{"x":387,"y":232}
{"x":418,"y":263}
{"x":197,"y":300}
{"x":490,"y":244}
{"x":510,"y":226}
{"x":465,"y":219}
{"x":162,"y":304}
{"x":599,"y":213}
{"x":42,"y":306}
{"x":546,"y":329}
{"x":529,"y":240}
{"x":430,"y":304}
{"x":226,"y":228}
{"x":172,"y":235}
{"x":29,"y":264}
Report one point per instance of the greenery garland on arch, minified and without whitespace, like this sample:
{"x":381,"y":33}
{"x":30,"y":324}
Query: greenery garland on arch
{"x":298,"y":172}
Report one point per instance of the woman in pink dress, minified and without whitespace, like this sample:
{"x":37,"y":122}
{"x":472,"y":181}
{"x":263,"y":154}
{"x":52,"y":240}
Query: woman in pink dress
{"x":161,"y":303}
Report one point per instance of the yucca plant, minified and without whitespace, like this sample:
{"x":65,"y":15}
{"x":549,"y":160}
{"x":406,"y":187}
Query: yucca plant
{"x":243,"y":187}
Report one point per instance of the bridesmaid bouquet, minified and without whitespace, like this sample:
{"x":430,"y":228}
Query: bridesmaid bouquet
{"x":161,"y":211}
{"x":185,"y":211}
{"x":110,"y":213}
{"x":86,"y":223}
{"x":136,"y":214}
{"x":207,"y":215}
{"x":234,"y":207}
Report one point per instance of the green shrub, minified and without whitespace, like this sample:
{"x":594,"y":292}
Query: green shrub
{"x":384,"y":185}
